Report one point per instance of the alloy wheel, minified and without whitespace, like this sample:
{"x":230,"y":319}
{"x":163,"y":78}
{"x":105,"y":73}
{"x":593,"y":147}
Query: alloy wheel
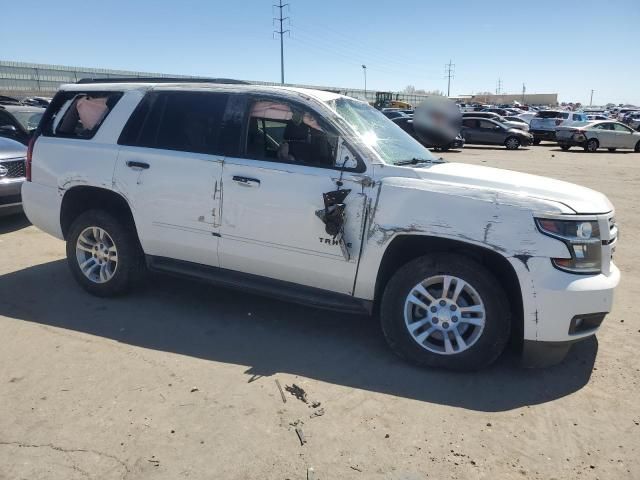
{"x":97,"y":254}
{"x":444,"y":314}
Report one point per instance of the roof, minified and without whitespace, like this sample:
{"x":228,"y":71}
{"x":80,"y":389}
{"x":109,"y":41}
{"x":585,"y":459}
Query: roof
{"x":320,"y":95}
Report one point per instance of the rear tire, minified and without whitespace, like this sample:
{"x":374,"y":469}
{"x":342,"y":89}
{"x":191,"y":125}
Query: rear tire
{"x":512,"y":143}
{"x":637,"y":149}
{"x":104,"y":254}
{"x":479,"y":340}
{"x":536,"y":141}
{"x":565,"y":147}
{"x":591,"y":146}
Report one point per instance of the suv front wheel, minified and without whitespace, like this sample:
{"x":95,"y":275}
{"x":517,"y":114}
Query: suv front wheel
{"x":103,"y":253}
{"x":446,"y":311}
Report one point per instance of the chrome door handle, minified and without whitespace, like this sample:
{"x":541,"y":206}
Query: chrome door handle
{"x":137,"y":165}
{"x":247,"y":181}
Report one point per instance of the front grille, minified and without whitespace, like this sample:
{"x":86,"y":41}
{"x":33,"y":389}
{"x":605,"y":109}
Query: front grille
{"x":16,"y":168}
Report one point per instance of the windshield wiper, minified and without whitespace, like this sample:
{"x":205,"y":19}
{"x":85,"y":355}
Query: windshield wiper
{"x":414,"y":161}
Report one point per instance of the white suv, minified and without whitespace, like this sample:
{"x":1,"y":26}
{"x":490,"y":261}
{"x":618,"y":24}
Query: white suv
{"x":318,"y":198}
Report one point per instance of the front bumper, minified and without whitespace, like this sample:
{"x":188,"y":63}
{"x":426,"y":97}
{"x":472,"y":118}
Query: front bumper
{"x":10,"y":198}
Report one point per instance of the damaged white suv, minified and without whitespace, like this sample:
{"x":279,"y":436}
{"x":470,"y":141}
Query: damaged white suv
{"x":319,"y":199}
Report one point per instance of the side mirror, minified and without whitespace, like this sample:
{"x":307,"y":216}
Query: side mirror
{"x":8,"y":129}
{"x":345,"y":157}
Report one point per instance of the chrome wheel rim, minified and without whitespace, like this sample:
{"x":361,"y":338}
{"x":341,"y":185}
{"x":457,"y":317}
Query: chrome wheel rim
{"x":444,"y":314}
{"x":512,"y":143}
{"x":96,"y":254}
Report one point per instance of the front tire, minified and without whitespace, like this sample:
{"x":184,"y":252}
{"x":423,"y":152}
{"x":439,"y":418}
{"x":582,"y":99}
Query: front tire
{"x":103,"y":253}
{"x":637,"y":149}
{"x":512,"y":143}
{"x":536,"y":141}
{"x":447,"y":311}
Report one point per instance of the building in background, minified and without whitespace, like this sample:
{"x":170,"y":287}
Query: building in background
{"x":19,"y":79}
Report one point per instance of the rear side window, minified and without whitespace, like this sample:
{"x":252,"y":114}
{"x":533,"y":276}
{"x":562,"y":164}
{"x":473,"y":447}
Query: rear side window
{"x":82,"y":113}
{"x":183,"y":121}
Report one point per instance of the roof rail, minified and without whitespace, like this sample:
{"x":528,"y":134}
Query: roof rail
{"x":162,"y":80}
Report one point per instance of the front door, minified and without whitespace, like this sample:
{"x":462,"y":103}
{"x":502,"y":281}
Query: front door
{"x":169,"y":168}
{"x":273,"y":201}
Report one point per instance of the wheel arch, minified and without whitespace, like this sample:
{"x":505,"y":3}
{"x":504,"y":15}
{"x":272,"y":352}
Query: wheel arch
{"x":404,"y":248}
{"x":80,"y":199}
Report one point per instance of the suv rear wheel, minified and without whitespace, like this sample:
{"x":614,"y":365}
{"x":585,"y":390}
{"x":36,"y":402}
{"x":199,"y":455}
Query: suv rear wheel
{"x":591,"y":145}
{"x":103,"y":253}
{"x":447,"y":311}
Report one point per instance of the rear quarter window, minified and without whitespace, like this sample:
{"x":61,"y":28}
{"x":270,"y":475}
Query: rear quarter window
{"x":78,"y":114}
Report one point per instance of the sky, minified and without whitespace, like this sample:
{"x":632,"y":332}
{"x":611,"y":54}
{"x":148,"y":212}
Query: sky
{"x":567,"y":47}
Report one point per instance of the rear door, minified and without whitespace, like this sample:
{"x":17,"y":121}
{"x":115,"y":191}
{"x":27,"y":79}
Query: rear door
{"x":169,"y":168}
{"x":605,"y":134}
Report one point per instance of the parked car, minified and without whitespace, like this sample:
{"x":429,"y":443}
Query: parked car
{"x":484,"y":131}
{"x":623,"y":111}
{"x":634,"y":121}
{"x":18,"y":122}
{"x":500,"y":111}
{"x":494,"y":116}
{"x":6,"y":100}
{"x":517,"y":122}
{"x":543,"y":125}
{"x":12,"y":174}
{"x":393,"y":114}
{"x":627,"y":116}
{"x":406,"y":124}
{"x":326,"y":203}
{"x":597,"y":117}
{"x":610,"y":135}
{"x":36,"y":101}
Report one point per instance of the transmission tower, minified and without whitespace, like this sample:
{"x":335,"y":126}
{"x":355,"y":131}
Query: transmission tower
{"x":449,"y":70}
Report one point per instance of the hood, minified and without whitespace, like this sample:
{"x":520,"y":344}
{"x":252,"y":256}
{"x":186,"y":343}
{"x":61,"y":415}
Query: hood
{"x":579,"y":199}
{"x":11,"y":149}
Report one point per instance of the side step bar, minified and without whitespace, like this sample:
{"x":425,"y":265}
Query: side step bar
{"x":259,"y":285}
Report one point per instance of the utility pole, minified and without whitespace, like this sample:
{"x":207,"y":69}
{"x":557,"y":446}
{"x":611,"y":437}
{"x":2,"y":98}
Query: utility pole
{"x":591,"y":99}
{"x":499,"y":87}
{"x":281,"y":32}
{"x":364,"y":69}
{"x":524,"y":89}
{"x":449,"y":74}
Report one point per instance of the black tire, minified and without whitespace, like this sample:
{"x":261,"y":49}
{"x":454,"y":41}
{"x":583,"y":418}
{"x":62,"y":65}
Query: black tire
{"x":130,"y":260}
{"x":493,"y":338}
{"x":611,"y":149}
{"x":591,"y":146}
{"x":637,"y":149}
{"x":512,"y":143}
{"x":565,"y":147}
{"x":536,"y":141}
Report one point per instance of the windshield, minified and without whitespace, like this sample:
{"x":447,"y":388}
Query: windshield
{"x":29,"y":120}
{"x":375,"y":130}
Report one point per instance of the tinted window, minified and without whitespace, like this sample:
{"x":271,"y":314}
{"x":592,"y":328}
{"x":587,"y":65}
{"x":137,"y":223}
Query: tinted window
{"x":287,"y":133}
{"x":469,"y":123}
{"x":184,"y":121}
{"x":85,"y":113}
{"x":487,"y":125}
{"x":549,"y":114}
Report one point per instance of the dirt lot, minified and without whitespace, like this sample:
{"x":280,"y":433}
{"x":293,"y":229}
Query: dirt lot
{"x":178,"y":380}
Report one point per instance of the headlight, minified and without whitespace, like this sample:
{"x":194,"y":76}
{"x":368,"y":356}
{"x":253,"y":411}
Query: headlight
{"x":582,"y":238}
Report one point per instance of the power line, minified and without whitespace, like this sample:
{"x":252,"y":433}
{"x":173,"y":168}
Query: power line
{"x":281,"y":32}
{"x":449,"y":74}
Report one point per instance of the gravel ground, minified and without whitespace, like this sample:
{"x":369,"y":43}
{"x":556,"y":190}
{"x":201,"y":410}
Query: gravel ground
{"x":179,"y":379}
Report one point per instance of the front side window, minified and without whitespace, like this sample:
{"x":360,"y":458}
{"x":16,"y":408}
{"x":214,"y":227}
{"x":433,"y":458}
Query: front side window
{"x":469,"y":123}
{"x":621,"y":128}
{"x":284,"y":132}
{"x":85,"y":113}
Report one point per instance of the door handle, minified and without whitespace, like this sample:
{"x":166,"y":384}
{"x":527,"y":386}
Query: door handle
{"x":140,"y":165}
{"x":249,"y":182}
